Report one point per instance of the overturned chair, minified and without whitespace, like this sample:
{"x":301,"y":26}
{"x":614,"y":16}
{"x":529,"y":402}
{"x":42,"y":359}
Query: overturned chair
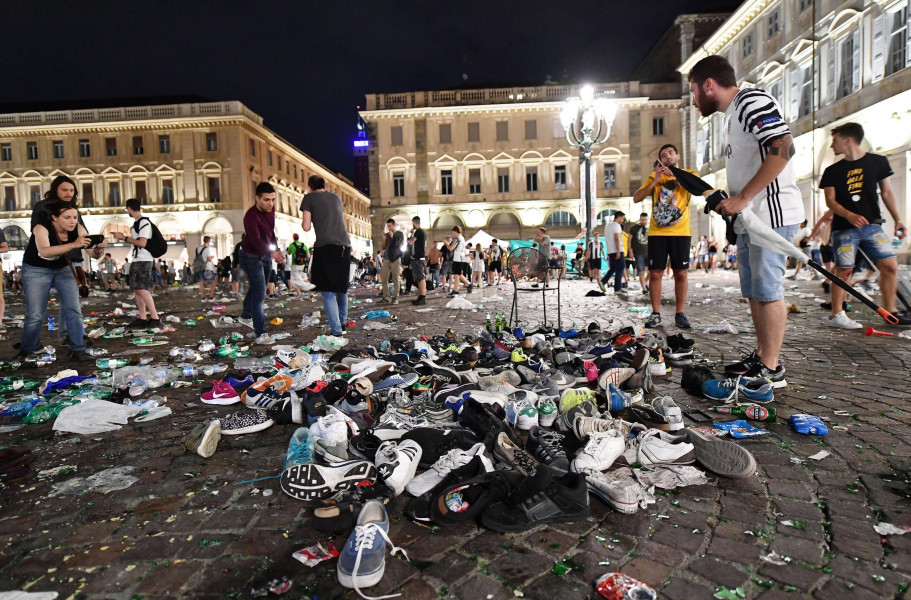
{"x":524,"y":264}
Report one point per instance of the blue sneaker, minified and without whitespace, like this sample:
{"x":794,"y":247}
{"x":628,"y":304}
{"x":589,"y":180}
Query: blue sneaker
{"x":240,"y":383}
{"x":397,"y":380}
{"x":300,"y":449}
{"x":735,"y":389}
{"x":454,"y":403}
{"x":520,"y":335}
{"x":568,"y":333}
{"x":618,"y":398}
{"x":362,"y":561}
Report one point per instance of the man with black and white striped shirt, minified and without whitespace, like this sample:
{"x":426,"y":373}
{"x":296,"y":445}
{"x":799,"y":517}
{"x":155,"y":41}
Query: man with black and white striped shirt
{"x":758,"y":148}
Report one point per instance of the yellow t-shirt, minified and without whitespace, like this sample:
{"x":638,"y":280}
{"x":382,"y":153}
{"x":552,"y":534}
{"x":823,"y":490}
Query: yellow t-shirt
{"x":670,"y":207}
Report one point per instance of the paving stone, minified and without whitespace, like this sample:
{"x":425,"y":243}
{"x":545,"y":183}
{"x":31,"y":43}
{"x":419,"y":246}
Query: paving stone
{"x":519,"y":566}
{"x":792,"y":574}
{"x":452,"y":567}
{"x":719,"y":572}
{"x":680,"y":538}
{"x":554,"y":543}
{"x":739,"y":552}
{"x":681,"y":589}
{"x":808,"y":551}
{"x":167,"y":579}
{"x":551,"y":587}
{"x":481,"y":586}
{"x":646,"y":570}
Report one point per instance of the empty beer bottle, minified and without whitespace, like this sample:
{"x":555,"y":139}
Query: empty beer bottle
{"x":755,"y":412}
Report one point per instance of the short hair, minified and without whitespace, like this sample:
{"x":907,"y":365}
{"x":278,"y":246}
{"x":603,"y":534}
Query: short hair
{"x":51,"y":194}
{"x":107,"y":253}
{"x":855,"y":131}
{"x":619,"y":214}
{"x":416,"y":218}
{"x":493,"y":241}
{"x":264,"y":187}
{"x":661,"y":149}
{"x":134,"y":204}
{"x":206,"y":239}
{"x":643,"y":215}
{"x":713,"y":67}
{"x":390,"y":220}
{"x":457,"y":229}
{"x":316,"y":182}
{"x":542,"y":229}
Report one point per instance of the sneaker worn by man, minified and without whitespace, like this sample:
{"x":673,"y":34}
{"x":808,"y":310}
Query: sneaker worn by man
{"x":776,"y":376}
{"x":547,"y":447}
{"x":735,"y":389}
{"x":203,"y":439}
{"x":599,"y":452}
{"x":397,"y":463}
{"x":264,"y":340}
{"x":245,"y":422}
{"x":506,"y":451}
{"x":743,"y":365}
{"x":522,"y":414}
{"x":310,"y":481}
{"x":447,"y":463}
{"x":362,"y":560}
{"x":653,"y":320}
{"x":574,"y":397}
{"x":843,"y":321}
{"x":681,"y":321}
{"x":542,"y":498}
{"x":246,"y":321}
{"x":221,"y":393}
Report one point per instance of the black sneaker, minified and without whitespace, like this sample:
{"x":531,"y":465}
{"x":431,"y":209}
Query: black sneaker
{"x":776,"y":376}
{"x":419,"y":508}
{"x":681,"y":321}
{"x":364,"y":445}
{"x":594,"y":327}
{"x":547,"y":447}
{"x":470,"y":288}
{"x":153,"y":323}
{"x":435,"y":443}
{"x":79,"y":356}
{"x":542,"y":498}
{"x":678,"y":342}
{"x":339,"y":513}
{"x":440,"y":395}
{"x":420,"y":301}
{"x":694,"y":376}
{"x":139,"y":324}
{"x":653,"y":320}
{"x":741,"y":367}
{"x":482,"y":420}
{"x":465,"y":500}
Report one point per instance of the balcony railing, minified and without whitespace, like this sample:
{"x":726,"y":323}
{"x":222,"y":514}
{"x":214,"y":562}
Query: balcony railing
{"x":129,"y":113}
{"x":543,"y":93}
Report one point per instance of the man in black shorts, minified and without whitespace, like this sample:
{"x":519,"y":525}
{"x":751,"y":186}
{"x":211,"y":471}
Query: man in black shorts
{"x":593,"y":256}
{"x":668,"y":234}
{"x":418,"y":243}
{"x":495,"y":262}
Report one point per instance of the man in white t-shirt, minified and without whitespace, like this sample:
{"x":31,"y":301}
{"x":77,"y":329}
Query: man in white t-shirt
{"x":141,"y":269}
{"x":758,"y":148}
{"x":613,"y":249}
{"x":208,"y":276}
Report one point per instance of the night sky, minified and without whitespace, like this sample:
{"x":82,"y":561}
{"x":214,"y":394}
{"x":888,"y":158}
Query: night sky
{"x":305,"y":66}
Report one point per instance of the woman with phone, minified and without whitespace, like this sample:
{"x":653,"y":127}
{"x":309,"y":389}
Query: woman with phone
{"x":45,"y":266}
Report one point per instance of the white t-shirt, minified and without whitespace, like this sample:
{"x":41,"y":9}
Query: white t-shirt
{"x":144,"y":231}
{"x":751,"y":121}
{"x":610,"y":243}
{"x":801,"y":235}
{"x":458,"y":253}
{"x":208,"y":254}
{"x":493,"y":253}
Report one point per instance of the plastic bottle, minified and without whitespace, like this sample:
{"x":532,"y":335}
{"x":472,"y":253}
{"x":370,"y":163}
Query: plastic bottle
{"x":219,"y":307}
{"x":142,"y":341}
{"x":282,"y":335}
{"x":97,"y":351}
{"x":206,"y":346}
{"x":10,"y":365}
{"x":750,"y":411}
{"x":13,"y":384}
{"x":22,"y":408}
{"x":138,"y":387}
{"x":375,"y":314}
{"x":111,"y":363}
{"x":183,"y":353}
{"x":51,"y":323}
{"x":254,"y":364}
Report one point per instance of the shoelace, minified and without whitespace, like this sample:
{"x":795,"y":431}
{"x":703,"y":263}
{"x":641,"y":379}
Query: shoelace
{"x":363,"y":539}
{"x":448,"y":462}
{"x":302,"y":453}
{"x":729,"y":384}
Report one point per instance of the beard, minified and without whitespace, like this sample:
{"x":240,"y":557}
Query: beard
{"x":707,"y":106}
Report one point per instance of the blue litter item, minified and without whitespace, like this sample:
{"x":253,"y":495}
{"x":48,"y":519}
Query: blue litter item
{"x":618,"y":398}
{"x":740,"y":429}
{"x":376,"y":314}
{"x":23,"y":407}
{"x":568,"y":333}
{"x":520,"y":335}
{"x":809,"y":425}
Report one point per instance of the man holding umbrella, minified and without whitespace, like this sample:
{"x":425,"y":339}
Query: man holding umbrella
{"x":758,"y":148}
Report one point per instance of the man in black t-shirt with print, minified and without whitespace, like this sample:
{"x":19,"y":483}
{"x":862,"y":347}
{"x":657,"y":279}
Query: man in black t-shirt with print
{"x":850,"y":186}
{"x":418,"y":242}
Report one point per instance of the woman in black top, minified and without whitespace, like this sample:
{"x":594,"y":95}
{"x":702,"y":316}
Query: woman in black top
{"x":44,"y":266}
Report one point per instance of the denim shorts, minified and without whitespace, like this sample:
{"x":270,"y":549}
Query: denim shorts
{"x":761,"y":270}
{"x":207,"y":276}
{"x":870,"y":238}
{"x":641,"y":263}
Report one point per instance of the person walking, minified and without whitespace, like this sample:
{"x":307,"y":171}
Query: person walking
{"x":613,"y":247}
{"x":237,"y":272}
{"x":298,"y":255}
{"x":758,"y":150}
{"x":141,"y":268}
{"x":109,"y":272}
{"x":393,"y":240}
{"x":850,"y":186}
{"x":456,"y":245}
{"x":435,"y":259}
{"x":323,"y":212}
{"x":669,"y":235}
{"x":418,"y":243}
{"x":638,"y":249}
{"x":257,"y":250}
{"x":209,"y":274}
{"x":593,"y":256}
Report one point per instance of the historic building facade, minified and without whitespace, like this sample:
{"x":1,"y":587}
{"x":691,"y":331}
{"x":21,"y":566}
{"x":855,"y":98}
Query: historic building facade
{"x":827,"y":62}
{"x":497,"y":159}
{"x":194,"y":165}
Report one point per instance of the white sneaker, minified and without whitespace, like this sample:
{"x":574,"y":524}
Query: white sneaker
{"x":247,"y":322}
{"x":514,"y":393}
{"x":600,"y":452}
{"x":454,"y":459}
{"x":843,"y":321}
{"x":307,"y":286}
{"x":670,"y":411}
{"x":622,"y":494}
{"x":397,"y":463}
{"x":264,"y":340}
{"x":547,"y":410}
{"x":522,"y":414}
{"x":490,"y":397}
{"x":656,"y":447}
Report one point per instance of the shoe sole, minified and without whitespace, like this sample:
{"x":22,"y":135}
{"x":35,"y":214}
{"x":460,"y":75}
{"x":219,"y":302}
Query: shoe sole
{"x":310,"y":481}
{"x":221,"y":401}
{"x":722,"y":457}
{"x":251,"y":429}
{"x":562,"y":518}
{"x":363,"y":581}
{"x":209,"y":441}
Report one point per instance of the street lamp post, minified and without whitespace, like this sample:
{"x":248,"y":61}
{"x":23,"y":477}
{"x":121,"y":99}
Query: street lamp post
{"x":587,"y":121}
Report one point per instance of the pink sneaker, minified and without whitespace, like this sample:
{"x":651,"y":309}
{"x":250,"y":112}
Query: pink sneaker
{"x":221,"y":393}
{"x":591,"y":371}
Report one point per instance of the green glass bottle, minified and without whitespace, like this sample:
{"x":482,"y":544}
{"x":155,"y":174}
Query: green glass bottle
{"x":755,"y":412}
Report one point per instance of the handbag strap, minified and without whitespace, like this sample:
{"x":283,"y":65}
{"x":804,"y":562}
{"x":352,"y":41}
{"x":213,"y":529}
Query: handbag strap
{"x":66,"y":255}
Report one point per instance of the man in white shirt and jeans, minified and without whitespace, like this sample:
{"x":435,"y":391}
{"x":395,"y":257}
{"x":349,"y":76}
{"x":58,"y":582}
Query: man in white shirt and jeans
{"x":758,"y":148}
{"x":141,"y":269}
{"x":208,"y":276}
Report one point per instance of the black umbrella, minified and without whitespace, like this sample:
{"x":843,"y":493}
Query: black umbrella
{"x":763,"y":235}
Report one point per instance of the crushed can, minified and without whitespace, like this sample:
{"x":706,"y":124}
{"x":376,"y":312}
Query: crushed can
{"x":617,"y":586}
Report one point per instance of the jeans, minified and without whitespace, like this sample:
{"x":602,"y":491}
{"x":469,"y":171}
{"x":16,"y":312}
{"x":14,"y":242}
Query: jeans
{"x":37,"y":283}
{"x":257,"y":269}
{"x":615,"y":268}
{"x":435,"y":275}
{"x":869,"y":238}
{"x":336,"y":306}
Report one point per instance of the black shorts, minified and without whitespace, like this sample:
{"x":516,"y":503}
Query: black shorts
{"x":460,"y":268}
{"x":662,"y":246}
{"x":141,"y":275}
{"x":594,"y":264}
{"x":495,"y":265}
{"x":417,"y":269}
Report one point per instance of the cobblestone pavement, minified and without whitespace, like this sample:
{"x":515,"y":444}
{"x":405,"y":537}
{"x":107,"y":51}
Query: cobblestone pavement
{"x":186,"y":530}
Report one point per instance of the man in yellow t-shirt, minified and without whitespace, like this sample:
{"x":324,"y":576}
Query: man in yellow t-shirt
{"x":668,"y":234}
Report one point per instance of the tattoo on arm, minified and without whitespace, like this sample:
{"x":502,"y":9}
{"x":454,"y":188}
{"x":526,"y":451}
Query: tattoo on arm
{"x":783,"y":146}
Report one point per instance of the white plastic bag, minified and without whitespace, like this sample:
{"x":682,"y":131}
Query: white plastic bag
{"x":94,"y":416}
{"x":459,"y":303}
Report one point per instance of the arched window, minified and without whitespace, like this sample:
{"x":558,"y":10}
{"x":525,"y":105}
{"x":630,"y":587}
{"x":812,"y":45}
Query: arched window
{"x":111,"y":228}
{"x":15,"y":237}
{"x":604,"y":216}
{"x":560,"y":218}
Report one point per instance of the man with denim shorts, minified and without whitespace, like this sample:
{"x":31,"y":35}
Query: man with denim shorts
{"x":850,"y":186}
{"x":758,"y":148}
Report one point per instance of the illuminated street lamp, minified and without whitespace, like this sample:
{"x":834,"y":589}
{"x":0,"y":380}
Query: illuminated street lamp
{"x":587,"y":121}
